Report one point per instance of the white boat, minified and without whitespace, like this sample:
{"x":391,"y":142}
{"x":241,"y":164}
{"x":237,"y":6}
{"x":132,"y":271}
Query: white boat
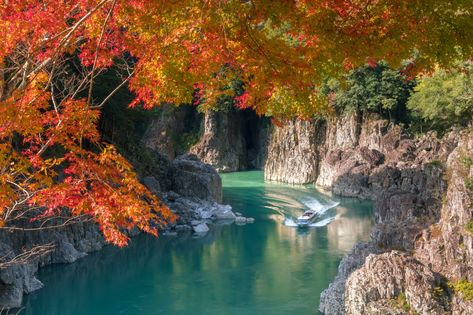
{"x":307,"y":218}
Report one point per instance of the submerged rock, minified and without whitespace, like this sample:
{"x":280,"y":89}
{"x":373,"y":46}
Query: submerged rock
{"x":240,"y":220}
{"x":201,"y":228}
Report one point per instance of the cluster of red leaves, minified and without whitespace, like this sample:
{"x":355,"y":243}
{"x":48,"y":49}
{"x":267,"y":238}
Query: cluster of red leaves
{"x":104,"y":187}
{"x":52,"y":166}
{"x":275,"y":44}
{"x":183,"y":52}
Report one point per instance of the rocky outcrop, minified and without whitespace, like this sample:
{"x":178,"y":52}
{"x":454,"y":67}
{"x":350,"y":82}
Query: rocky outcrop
{"x":70,"y":243}
{"x":419,"y":241}
{"x":332,"y":299}
{"x":168,"y":127}
{"x":448,"y":245}
{"x":232,"y":140}
{"x":223,"y":144}
{"x":293,"y":154}
{"x":343,"y":132}
{"x":386,"y":277}
{"x":192,"y":178}
{"x":229,"y":140}
{"x":190,"y":188}
{"x":422,"y":206}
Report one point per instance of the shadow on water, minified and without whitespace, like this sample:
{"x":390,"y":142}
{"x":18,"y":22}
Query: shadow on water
{"x":262,"y":268}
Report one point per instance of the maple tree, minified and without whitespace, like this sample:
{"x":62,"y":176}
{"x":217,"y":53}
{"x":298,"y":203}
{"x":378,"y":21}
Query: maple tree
{"x":51,"y":156}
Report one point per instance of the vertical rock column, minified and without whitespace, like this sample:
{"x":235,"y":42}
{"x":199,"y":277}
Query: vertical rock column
{"x":222,"y":144}
{"x":293,"y":153}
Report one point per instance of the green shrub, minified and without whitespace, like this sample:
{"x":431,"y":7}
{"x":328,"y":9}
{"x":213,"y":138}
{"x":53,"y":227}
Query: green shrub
{"x":434,"y":163}
{"x":469,"y":226}
{"x":376,"y":89}
{"x":442,"y":100}
{"x":185,"y":140}
{"x":465,"y":288}
{"x":402,"y":302}
{"x":466,"y":160}
{"x":469,"y":184}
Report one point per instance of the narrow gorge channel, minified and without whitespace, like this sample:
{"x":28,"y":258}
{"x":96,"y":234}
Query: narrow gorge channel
{"x":265,"y":268}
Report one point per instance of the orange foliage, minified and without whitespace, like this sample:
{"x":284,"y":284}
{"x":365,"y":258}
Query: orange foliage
{"x":280,"y":50}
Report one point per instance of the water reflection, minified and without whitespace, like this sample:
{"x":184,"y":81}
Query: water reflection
{"x":262,"y":268}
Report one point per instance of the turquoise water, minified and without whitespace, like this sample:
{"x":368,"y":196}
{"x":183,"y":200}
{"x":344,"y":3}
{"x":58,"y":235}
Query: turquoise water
{"x":265,"y":268}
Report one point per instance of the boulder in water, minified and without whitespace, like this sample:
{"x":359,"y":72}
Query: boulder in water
{"x":250,"y":220}
{"x":201,"y":228}
{"x":240,"y":220}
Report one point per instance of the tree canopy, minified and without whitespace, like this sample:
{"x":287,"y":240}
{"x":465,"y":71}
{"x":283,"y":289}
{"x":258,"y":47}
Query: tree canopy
{"x":444,"y":99}
{"x":279,"y":49}
{"x":184,"y":51}
{"x":375,"y":88}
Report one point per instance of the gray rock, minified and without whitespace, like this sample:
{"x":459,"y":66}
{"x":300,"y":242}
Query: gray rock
{"x":152,"y":184}
{"x":250,"y":220}
{"x":11,"y":296}
{"x":385,"y":277}
{"x":223,"y":143}
{"x":240,"y":220}
{"x":201,"y":228}
{"x":292,"y":152}
{"x":67,"y":253}
{"x":192,"y":178}
{"x":332,"y":299}
{"x":224,"y":213}
{"x":170,"y":121}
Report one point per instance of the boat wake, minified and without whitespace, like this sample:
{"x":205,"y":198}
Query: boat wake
{"x":291,"y":223}
{"x":316,"y":205}
{"x":320,"y":208}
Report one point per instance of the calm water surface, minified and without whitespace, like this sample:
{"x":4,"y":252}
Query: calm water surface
{"x":265,"y":268}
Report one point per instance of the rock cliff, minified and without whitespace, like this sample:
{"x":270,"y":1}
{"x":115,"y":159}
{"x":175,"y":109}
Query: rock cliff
{"x":232,"y":141}
{"x":293,"y":154}
{"x":172,"y":130}
{"x":223,"y":144}
{"x":421,"y":246}
{"x":421,"y":208}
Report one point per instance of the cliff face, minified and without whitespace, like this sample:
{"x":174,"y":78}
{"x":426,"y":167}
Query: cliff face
{"x":293,"y":155}
{"x":232,"y":141}
{"x":229,"y":141}
{"x":168,"y":129}
{"x":297,"y":151}
{"x":223,"y":144}
{"x":439,"y":254}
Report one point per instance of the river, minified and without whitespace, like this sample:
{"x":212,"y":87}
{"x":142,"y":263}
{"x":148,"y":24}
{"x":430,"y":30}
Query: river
{"x":269,"y":267}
